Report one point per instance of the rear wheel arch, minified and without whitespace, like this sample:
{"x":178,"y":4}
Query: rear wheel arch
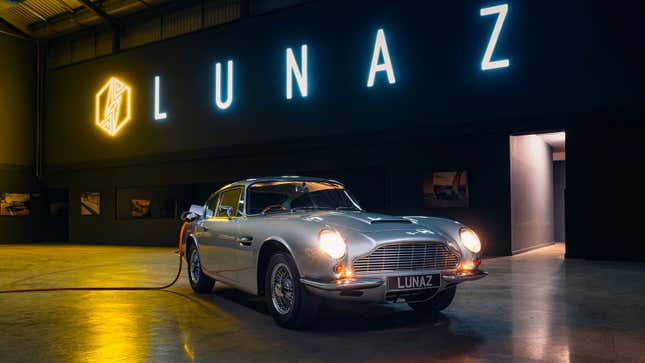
{"x":199,"y":281}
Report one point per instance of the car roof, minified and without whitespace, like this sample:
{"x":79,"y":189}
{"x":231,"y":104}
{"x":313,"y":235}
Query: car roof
{"x":247,"y":182}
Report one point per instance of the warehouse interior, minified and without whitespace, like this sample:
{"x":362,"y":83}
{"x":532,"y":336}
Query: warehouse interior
{"x":541,"y":157}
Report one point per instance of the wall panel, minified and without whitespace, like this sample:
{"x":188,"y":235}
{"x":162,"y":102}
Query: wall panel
{"x":17,"y":85}
{"x":182,"y":21}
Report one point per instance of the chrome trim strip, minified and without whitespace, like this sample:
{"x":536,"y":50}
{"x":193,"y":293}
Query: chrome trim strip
{"x":346,"y":284}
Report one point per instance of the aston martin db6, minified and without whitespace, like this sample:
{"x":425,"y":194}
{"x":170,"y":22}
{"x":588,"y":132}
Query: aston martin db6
{"x":301,"y":241}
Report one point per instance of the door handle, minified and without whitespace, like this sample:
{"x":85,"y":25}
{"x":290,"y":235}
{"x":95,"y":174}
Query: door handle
{"x":245,"y":240}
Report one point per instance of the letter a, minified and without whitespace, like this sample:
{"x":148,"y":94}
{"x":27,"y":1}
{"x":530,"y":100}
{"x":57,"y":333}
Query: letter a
{"x":381,"y":48}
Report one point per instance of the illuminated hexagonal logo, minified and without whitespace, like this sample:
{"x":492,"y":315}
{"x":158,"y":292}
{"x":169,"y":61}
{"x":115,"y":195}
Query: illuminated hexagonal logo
{"x":113,"y":106}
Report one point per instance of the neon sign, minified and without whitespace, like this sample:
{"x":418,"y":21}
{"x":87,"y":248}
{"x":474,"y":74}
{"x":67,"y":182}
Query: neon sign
{"x":113,"y":101}
{"x":113,"y":106}
{"x":380,"y":47}
{"x":299,"y":72}
{"x":501,"y":10}
{"x":223,"y":105}
{"x":158,"y":115}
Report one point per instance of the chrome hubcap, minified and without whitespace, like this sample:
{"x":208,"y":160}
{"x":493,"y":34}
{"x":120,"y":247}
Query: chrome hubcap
{"x":195,"y":267}
{"x":282,"y":289}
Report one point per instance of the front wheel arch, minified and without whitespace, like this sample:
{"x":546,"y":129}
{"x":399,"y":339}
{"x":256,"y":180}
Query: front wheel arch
{"x":268,"y":249}
{"x":302,"y":306}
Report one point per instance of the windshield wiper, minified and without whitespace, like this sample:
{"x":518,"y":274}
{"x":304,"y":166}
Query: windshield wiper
{"x":346,"y":208}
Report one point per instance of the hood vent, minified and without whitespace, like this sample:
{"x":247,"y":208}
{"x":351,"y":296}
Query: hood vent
{"x":375,"y":221}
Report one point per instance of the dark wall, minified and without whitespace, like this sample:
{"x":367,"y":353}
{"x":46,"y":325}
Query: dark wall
{"x":559,"y":190}
{"x":605,"y":152}
{"x":17,"y":90}
{"x":385,"y":175}
{"x":442,"y":114}
{"x":604,"y":198}
{"x":436,"y":49}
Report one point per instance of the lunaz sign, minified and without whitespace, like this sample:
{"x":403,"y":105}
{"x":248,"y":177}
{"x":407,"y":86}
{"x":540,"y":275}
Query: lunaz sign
{"x":297,"y":70}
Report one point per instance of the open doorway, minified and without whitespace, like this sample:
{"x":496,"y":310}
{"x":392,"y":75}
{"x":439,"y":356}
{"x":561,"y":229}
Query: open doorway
{"x":538,"y":186}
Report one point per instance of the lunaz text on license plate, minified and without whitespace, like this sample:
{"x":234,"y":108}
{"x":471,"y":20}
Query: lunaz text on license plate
{"x":413,"y":282}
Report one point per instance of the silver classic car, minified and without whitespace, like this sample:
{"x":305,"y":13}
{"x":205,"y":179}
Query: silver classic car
{"x":299,"y":241}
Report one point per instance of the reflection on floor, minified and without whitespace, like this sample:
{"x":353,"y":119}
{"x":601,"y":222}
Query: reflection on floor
{"x":533,"y":307}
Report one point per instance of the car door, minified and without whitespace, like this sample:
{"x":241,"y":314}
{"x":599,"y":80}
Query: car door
{"x":247,"y":249}
{"x":223,"y":230}
{"x":205,"y":234}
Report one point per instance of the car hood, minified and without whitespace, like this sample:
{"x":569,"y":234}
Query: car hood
{"x":365,"y":222}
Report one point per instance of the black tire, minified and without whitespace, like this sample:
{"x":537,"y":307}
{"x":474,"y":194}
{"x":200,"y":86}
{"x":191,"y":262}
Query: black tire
{"x":198,"y":280}
{"x":304,"y":306}
{"x":438,"y":303}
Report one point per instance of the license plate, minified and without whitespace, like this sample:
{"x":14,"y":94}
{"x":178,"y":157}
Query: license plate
{"x":413,"y":282}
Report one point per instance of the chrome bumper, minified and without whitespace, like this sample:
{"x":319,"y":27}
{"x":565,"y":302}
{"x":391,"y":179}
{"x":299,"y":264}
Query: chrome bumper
{"x":374,"y":288}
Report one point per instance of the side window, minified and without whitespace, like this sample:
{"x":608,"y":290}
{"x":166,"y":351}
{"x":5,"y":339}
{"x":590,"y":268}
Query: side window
{"x":230,"y":198}
{"x":240,"y":206}
{"x":211,"y":205}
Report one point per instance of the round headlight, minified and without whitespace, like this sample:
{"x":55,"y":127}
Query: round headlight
{"x":332,"y":243}
{"x":470,"y":240}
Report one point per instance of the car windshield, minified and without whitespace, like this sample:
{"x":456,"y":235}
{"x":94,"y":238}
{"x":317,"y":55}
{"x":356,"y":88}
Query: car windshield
{"x":282,"y":196}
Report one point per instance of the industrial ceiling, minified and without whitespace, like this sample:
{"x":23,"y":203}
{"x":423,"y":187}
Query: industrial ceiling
{"x":46,"y":19}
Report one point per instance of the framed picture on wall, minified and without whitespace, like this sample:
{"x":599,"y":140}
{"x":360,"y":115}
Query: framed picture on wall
{"x":140,"y":208}
{"x":91,"y":204}
{"x":153,"y":202}
{"x":15,"y":204}
{"x":446,"y":189}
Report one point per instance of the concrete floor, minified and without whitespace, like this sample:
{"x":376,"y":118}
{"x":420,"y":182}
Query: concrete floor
{"x":532,"y":307}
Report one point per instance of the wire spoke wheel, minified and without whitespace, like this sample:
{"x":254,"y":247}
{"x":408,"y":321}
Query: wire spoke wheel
{"x":282,"y":289}
{"x":195,"y":266}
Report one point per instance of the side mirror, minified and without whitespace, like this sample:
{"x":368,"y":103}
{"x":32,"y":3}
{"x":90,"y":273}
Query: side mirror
{"x":226,"y":209}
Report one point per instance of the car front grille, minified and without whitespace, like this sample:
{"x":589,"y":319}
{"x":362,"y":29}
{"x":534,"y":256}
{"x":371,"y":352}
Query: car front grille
{"x":408,"y":256}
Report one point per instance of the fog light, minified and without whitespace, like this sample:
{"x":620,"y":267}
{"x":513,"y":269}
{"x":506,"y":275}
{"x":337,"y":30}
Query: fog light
{"x":338,"y":269}
{"x":467,"y":266}
{"x":348,"y":272}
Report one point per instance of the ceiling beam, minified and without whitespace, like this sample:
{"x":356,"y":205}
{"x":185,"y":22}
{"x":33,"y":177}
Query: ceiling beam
{"x":14,"y":32}
{"x":114,"y":22}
